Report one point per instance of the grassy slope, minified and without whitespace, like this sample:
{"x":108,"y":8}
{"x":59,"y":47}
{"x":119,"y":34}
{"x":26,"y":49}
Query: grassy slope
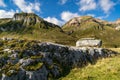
{"x":41,"y":31}
{"x":105,"y":69}
{"x":52,"y":35}
{"x":107,"y":34}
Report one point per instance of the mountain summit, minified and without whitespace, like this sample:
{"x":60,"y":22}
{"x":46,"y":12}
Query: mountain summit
{"x":23,"y":20}
{"x":78,"y":21}
{"x":90,"y":27}
{"x":31,"y":26}
{"x":27,"y":18}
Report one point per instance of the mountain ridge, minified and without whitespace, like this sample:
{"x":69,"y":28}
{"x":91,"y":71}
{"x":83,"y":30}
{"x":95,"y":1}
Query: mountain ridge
{"x":89,"y":27}
{"x":31,"y":26}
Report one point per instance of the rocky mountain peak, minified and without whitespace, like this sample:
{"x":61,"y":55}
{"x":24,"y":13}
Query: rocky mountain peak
{"x":118,"y":21}
{"x":22,"y":16}
{"x":77,"y":20}
{"x":23,"y":21}
{"x":27,"y":18}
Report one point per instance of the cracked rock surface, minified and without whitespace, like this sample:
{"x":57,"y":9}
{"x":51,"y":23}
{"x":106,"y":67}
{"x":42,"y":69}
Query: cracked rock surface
{"x":34,"y":60}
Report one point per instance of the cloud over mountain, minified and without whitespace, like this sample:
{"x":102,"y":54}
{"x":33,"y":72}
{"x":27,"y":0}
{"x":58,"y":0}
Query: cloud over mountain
{"x":7,"y":14}
{"x":26,"y":6}
{"x":67,"y":15}
{"x":54,"y":20}
{"x":86,"y":5}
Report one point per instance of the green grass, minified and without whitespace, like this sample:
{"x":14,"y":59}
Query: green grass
{"x":34,"y":66}
{"x":115,"y":49}
{"x":105,"y":69}
{"x":9,"y":67}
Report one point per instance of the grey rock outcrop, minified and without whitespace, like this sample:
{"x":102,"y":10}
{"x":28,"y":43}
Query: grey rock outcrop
{"x":27,"y":18}
{"x":118,"y":27}
{"x":21,"y":21}
{"x":89,"y":42}
{"x":56,"y":59}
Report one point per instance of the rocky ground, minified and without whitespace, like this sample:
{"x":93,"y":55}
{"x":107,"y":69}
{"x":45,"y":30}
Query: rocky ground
{"x":34,"y":60}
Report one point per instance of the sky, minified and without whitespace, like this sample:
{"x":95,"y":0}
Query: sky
{"x":61,"y":11}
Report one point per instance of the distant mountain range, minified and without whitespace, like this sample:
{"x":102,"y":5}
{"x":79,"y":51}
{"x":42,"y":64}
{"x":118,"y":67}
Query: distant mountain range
{"x":30,"y":26}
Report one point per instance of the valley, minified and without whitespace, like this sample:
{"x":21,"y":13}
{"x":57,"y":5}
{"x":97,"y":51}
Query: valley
{"x":34,"y":49}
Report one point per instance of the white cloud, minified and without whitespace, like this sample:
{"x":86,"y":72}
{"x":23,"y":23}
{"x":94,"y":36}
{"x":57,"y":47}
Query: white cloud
{"x":66,"y":15}
{"x":103,"y":17}
{"x":62,"y":1}
{"x":2,"y":3}
{"x":86,"y":5}
{"x":6,"y":14}
{"x":54,"y":20}
{"x":106,"y":5}
{"x":27,"y":6}
{"x":93,"y":15}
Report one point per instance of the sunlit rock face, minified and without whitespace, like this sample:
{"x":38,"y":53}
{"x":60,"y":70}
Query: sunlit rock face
{"x":89,"y":42}
{"x":23,"y":21}
{"x":118,"y":21}
{"x":78,"y":20}
{"x":27,"y":18}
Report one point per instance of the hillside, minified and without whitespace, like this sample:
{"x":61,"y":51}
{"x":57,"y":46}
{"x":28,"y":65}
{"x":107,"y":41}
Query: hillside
{"x":32,"y":27}
{"x":87,"y":26}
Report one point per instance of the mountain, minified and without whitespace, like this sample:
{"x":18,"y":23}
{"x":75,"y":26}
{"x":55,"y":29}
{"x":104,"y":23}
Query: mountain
{"x":23,"y":20}
{"x":30,"y":26}
{"x":89,"y":27}
{"x":118,"y":21}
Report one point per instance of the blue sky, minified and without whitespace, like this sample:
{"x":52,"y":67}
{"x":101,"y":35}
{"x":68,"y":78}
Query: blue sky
{"x":61,"y":11}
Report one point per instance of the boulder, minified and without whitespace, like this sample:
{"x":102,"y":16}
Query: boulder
{"x":118,"y":27}
{"x":89,"y":42}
